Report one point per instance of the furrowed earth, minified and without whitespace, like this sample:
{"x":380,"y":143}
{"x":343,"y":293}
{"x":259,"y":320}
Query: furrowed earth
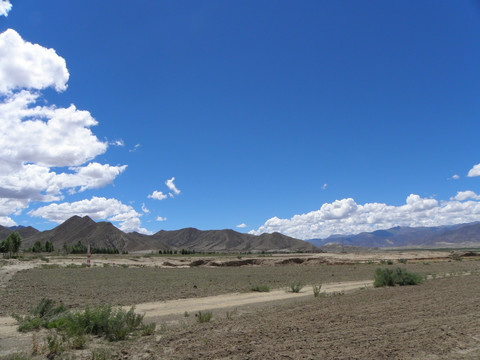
{"x":438,"y":319}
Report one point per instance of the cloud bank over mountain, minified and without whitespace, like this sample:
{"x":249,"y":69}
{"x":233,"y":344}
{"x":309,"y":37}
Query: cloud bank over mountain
{"x":347,"y":217}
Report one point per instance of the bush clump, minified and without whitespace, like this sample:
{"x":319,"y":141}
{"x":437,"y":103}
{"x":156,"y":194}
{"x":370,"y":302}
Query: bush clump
{"x":204,"y":317}
{"x":296,"y":287}
{"x":390,"y":277}
{"x":103,"y":320}
{"x":261,"y":288}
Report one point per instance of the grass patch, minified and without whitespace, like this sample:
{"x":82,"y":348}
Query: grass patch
{"x":261,"y":288}
{"x":389,"y":277}
{"x":296,"y":286}
{"x":204,"y":317}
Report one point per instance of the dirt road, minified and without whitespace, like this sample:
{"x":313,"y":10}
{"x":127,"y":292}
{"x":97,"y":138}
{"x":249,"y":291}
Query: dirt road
{"x":159,"y":309}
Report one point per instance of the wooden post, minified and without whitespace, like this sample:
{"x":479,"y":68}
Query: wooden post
{"x":89,"y":253}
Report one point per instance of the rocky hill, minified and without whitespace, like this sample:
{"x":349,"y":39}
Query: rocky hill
{"x":106,"y":235}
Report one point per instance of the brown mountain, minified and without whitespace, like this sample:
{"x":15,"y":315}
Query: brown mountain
{"x":100,"y":235}
{"x":229,"y":240}
{"x":23,"y":231}
{"x":105,"y":235}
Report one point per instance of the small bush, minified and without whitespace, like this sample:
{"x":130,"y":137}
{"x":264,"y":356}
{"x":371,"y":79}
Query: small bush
{"x":148,"y":329}
{"x":261,"y":288}
{"x":316,"y":290}
{"x":101,"y":354}
{"x":204,"y":317}
{"x":389,"y":277}
{"x":186,"y":314}
{"x":402,"y":261}
{"x":102,"y":320}
{"x":296,"y":287}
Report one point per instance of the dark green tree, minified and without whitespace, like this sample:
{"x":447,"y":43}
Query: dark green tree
{"x":49,"y":246}
{"x":37,"y":247}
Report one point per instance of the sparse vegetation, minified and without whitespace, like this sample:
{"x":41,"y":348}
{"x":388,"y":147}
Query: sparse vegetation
{"x":296,"y":286}
{"x":261,"y":288}
{"x":204,"y":317}
{"x":316,"y":290}
{"x":389,"y":277}
{"x":102,"y":320}
{"x":402,"y":261}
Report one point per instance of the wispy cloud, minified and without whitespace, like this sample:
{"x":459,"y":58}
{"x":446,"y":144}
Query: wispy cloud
{"x":135,"y":148}
{"x":324,"y":186}
{"x":159,"y":218}
{"x":172,"y":186}
{"x":145,"y":209}
{"x":242,"y":225}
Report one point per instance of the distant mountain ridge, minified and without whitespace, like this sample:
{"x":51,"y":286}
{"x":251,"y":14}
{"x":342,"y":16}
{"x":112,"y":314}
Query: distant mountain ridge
{"x":106,"y":235}
{"x":437,"y":236}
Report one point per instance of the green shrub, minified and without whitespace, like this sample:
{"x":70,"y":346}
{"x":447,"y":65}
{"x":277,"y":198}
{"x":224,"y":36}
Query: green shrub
{"x":204,"y":317}
{"x":296,"y":287}
{"x":389,"y":277}
{"x":316,"y":290}
{"x":402,"y":261}
{"x":148,"y":329}
{"x":102,"y":320}
{"x":261,"y":288}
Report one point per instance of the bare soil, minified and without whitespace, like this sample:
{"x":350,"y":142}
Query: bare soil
{"x":79,"y":287}
{"x":436,"y":320}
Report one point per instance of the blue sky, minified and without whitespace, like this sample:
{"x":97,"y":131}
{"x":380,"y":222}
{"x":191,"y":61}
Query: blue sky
{"x":310,"y":118}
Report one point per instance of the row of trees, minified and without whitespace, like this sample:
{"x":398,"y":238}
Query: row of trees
{"x":11,"y":244}
{"x":38,"y":247}
{"x":80,"y":248}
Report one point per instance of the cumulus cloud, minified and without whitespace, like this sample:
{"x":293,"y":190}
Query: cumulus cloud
{"x":24,"y":65}
{"x":157,"y":195}
{"x":172,"y":186}
{"x":475,"y":171}
{"x":159,"y":218}
{"x":242,"y":225}
{"x":456,"y":177}
{"x":465,"y":195}
{"x":36,"y":138}
{"x":347,"y":217}
{"x":98,"y":208}
{"x":5,"y":7}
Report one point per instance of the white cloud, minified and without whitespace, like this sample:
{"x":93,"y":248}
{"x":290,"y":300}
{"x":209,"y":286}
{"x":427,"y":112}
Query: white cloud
{"x":465,"y":195}
{"x":161,"y":218}
{"x":242,"y":225}
{"x":324,"y":186}
{"x":5,"y":7}
{"x":119,"y":142}
{"x":48,"y":136}
{"x":6,"y":221}
{"x":145,"y":209}
{"x":456,"y":177}
{"x":98,"y":208}
{"x":475,"y":171}
{"x":134,"y":148}
{"x":172,"y":186}
{"x":347,"y":217}
{"x":35,"y":138}
{"x":24,"y":65}
{"x":157,"y":195}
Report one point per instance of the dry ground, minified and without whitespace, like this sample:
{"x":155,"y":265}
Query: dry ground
{"x":437,"y":320}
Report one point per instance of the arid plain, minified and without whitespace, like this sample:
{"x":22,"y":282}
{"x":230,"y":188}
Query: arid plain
{"x":349,"y":320}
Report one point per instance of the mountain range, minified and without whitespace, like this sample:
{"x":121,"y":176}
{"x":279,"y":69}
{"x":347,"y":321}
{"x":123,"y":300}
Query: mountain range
{"x":106,"y":235}
{"x":438,"y":236}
